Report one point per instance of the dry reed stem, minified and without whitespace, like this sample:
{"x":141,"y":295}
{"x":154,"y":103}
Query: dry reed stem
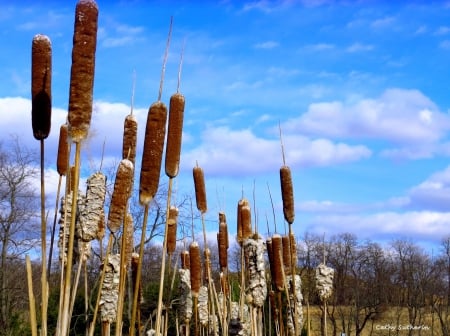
{"x":41,"y":85}
{"x":82,"y":69}
{"x":31,"y":298}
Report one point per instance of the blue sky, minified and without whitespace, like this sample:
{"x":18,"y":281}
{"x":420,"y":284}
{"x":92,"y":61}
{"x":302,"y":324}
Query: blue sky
{"x":359,"y":88}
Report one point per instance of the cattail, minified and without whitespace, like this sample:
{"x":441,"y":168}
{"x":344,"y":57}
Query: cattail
{"x":246,"y":219}
{"x":203,"y":305}
{"x":174,"y":134}
{"x":185,"y":259}
{"x":172,"y":229}
{"x":82,"y":69}
{"x":195,"y":268}
{"x":120,"y":195}
{"x":110,"y":289}
{"x":185,"y":295}
{"x":286,"y":254}
{"x":128,"y":231}
{"x":207,"y":263}
{"x":224,"y":226}
{"x":129,"y":138}
{"x":200,"y":190}
{"x":134,"y":267}
{"x":295,"y":297}
{"x":277,"y":262}
{"x":101,"y":226}
{"x":324,"y":281}
{"x":255,"y":267}
{"x":222,"y":241}
{"x":72,"y":178}
{"x":62,"y":160}
{"x":240,"y":229}
{"x":41,"y":82}
{"x":287,"y":194}
{"x":293,"y":247}
{"x":152,"y":154}
{"x":93,"y":209}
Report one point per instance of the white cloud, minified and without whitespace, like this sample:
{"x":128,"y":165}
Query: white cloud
{"x":359,"y":47}
{"x":382,"y":118}
{"x":240,"y":152}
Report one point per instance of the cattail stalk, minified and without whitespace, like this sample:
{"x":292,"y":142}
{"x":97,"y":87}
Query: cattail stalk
{"x":31,"y":298}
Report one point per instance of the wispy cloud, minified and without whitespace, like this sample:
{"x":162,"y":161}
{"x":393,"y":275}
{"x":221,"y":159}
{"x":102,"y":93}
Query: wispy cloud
{"x":359,"y":47}
{"x":266,"y":45}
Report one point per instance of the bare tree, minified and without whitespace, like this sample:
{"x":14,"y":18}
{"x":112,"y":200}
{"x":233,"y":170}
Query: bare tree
{"x":19,"y":204}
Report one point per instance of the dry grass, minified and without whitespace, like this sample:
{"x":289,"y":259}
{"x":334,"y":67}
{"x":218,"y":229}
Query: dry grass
{"x":394,"y":321}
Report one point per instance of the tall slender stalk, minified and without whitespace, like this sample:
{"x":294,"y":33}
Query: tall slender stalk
{"x":44,"y":283}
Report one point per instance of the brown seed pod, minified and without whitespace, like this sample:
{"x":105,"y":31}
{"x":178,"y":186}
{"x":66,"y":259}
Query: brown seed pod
{"x":277,"y":261}
{"x":270,"y":255}
{"x":246,"y":219}
{"x":82,"y":69}
{"x":172,"y":229}
{"x":71,"y":178}
{"x":286,"y":254}
{"x":128,"y":231}
{"x":62,"y":160}
{"x":293,"y":247}
{"x":130,"y":126}
{"x":223,"y":226}
{"x":200,"y":189}
{"x":155,"y":132}
{"x":120,"y":195}
{"x":222,"y":245}
{"x":242,"y":202}
{"x":207,"y":263}
{"x":101,"y":226}
{"x":185,"y":259}
{"x":174,"y":134}
{"x":41,"y":86}
{"x":195,"y":268}
{"x":287,"y":194}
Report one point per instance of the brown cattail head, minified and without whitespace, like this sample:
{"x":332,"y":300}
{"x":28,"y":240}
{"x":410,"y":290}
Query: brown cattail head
{"x":41,"y":82}
{"x":223,"y":226}
{"x":71,"y":178}
{"x":277,"y":261}
{"x":200,"y":189}
{"x":82,"y":70}
{"x":207,"y":264}
{"x":62,"y":160}
{"x":174,"y":134}
{"x":101,"y":226}
{"x":195,"y":268}
{"x":222,"y":243}
{"x":286,"y":254}
{"x":293,"y":251}
{"x":172,"y":229}
{"x":185,"y":260}
{"x":155,"y":132}
{"x":242,"y":203}
{"x":128,"y":232}
{"x":130,"y":126}
{"x":246,"y":219}
{"x":270,"y":255}
{"x":120,"y":195}
{"x":287,"y":194}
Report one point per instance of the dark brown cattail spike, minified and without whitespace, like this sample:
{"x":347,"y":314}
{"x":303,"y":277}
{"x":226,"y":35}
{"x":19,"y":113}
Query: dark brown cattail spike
{"x":174,"y":134}
{"x":121,"y":194}
{"x":277,"y":258}
{"x":185,"y":260}
{"x":41,"y":81}
{"x":287,"y":194}
{"x":200,"y":189}
{"x":155,"y":132}
{"x":240,"y":229}
{"x":172,"y":230}
{"x":195,"y":267}
{"x":286,"y":254}
{"x":62,"y":160}
{"x":82,"y":69}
